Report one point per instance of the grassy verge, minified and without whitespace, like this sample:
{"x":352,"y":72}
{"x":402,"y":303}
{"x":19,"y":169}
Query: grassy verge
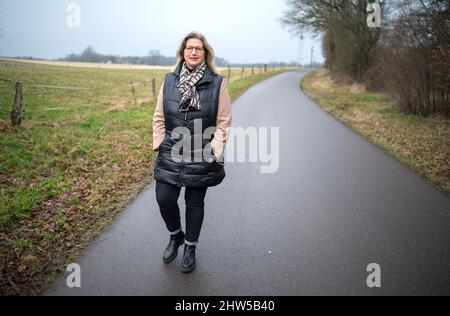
{"x":423,"y":144}
{"x":78,"y":159}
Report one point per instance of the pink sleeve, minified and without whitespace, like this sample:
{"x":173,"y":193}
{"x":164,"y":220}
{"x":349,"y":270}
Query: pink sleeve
{"x":159,"y":128}
{"x":223,"y":121}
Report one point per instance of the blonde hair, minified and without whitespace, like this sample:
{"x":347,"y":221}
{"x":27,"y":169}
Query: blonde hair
{"x":209,"y":51}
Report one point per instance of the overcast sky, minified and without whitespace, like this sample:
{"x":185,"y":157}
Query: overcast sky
{"x":239,"y":30}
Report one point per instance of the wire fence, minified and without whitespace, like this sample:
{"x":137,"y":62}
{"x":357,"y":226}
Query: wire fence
{"x":231,"y":73}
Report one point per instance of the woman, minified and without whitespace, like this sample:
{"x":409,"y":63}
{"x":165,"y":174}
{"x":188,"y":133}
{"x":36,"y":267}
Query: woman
{"x":193,"y":99}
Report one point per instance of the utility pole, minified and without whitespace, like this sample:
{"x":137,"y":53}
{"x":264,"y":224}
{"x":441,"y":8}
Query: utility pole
{"x":312,"y":57}
{"x":300,"y":51}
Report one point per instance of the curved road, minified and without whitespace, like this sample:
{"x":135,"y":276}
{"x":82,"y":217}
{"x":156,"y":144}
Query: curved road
{"x":336,"y":204}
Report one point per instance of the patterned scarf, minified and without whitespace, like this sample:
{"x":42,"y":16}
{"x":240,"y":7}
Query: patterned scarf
{"x":190,"y":99}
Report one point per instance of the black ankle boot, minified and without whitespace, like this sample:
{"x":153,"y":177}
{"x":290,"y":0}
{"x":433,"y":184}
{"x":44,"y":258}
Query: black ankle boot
{"x":188,"y":264}
{"x":171,"y":251}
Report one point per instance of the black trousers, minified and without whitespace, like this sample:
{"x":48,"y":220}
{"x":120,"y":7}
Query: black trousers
{"x":167,"y":197}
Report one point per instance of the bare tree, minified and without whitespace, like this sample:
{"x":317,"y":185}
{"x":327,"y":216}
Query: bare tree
{"x":409,"y":55}
{"x":348,"y":42}
{"x":416,"y":57}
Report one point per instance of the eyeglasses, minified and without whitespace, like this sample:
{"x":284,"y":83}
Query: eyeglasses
{"x":191,"y":49}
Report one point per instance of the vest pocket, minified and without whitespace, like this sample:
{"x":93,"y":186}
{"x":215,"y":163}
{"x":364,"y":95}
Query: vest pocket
{"x":165,"y":144}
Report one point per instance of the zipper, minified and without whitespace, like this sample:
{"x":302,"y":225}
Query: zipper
{"x":181,"y":173}
{"x":182,"y":161}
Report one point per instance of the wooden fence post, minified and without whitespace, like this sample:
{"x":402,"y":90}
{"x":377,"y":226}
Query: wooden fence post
{"x":154,"y":88}
{"x":242,"y":73}
{"x":134,"y":92}
{"x":16,"y":112}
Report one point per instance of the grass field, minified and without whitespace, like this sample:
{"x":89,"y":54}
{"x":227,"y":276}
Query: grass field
{"x":421,"y":143}
{"x":81,"y":155}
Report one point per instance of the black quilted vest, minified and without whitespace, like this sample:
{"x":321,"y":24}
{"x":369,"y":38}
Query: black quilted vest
{"x":187,"y":172}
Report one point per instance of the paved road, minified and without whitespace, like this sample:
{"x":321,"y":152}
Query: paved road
{"x":337,"y":204}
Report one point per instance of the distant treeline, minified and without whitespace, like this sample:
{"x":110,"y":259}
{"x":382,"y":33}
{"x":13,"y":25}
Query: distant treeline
{"x":153,"y":58}
{"x":89,"y":55}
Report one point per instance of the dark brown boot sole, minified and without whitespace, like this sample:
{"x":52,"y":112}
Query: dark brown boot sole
{"x":188,"y":269}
